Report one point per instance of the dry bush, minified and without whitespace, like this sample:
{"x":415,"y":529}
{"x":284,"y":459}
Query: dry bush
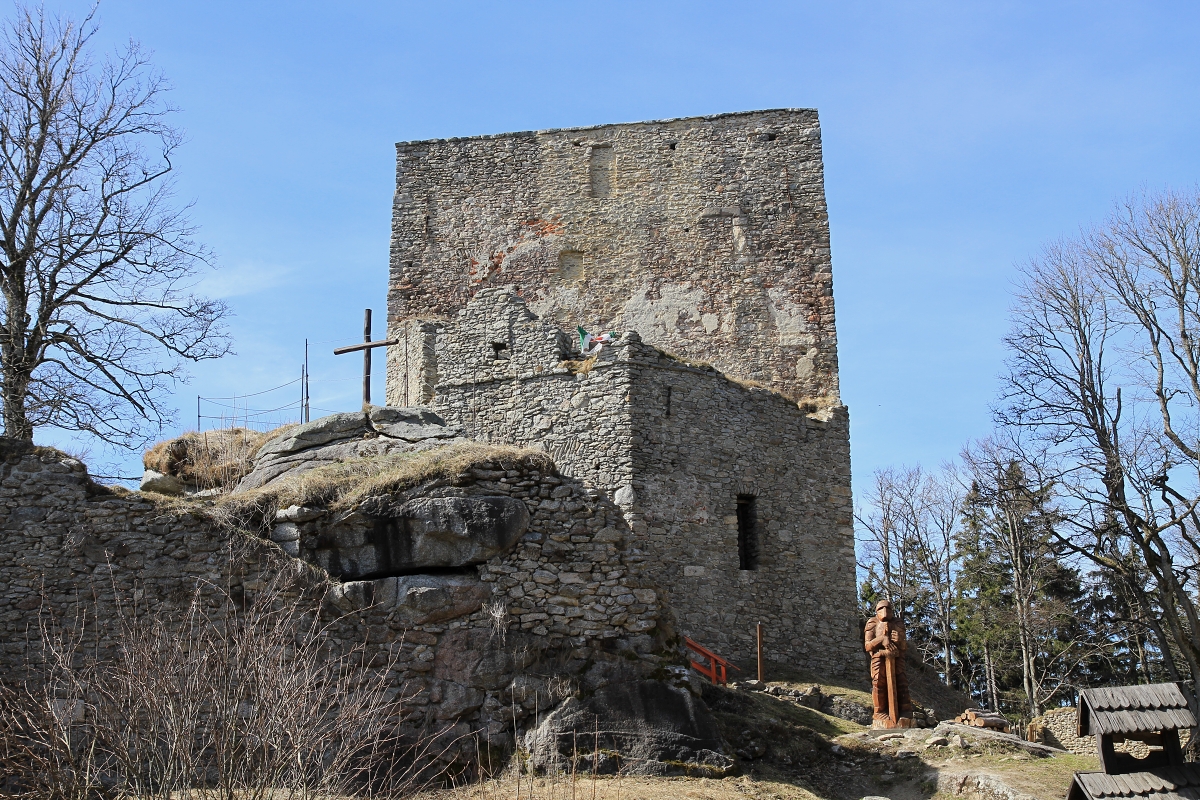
{"x":249,"y":700}
{"x":581,"y":366}
{"x":215,"y":459}
{"x":342,"y":485}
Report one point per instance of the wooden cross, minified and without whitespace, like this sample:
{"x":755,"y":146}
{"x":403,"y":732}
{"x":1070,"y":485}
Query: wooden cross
{"x":366,"y":347}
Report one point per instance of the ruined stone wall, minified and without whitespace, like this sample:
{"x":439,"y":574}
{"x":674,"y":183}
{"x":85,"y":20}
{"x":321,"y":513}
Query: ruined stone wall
{"x":709,"y":236}
{"x":702,"y":446}
{"x":676,"y":445}
{"x":474,"y":648}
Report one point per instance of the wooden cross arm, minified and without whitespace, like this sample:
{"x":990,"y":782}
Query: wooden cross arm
{"x":365,"y":346}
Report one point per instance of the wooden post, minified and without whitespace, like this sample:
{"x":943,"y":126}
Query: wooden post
{"x":758,"y":631}
{"x":367,"y":358}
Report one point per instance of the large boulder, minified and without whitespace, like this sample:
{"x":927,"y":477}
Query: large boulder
{"x":640,"y":727}
{"x":418,"y":599}
{"x":379,"y":431}
{"x":420,"y":535}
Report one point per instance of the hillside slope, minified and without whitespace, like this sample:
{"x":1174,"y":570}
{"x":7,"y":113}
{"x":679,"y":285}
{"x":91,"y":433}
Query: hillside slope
{"x":790,"y":751}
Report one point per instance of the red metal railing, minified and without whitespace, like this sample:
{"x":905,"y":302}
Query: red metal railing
{"x":716,"y":670}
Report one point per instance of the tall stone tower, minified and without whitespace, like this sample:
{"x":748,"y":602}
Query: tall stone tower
{"x":708,"y":236}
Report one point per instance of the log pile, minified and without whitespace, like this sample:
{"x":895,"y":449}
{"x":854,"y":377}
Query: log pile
{"x":978,"y":718}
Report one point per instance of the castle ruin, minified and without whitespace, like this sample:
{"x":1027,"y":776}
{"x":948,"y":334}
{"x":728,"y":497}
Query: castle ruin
{"x":714,"y":422}
{"x":693,"y":479}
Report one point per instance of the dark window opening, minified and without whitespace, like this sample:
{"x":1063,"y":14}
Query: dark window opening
{"x":673,"y":145}
{"x":668,"y":401}
{"x":747,"y":523}
{"x":499,"y":351}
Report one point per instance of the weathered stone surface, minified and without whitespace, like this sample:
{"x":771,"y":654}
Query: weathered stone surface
{"x":635,"y":226}
{"x":420,"y":535}
{"x":847,"y":709}
{"x":681,"y":449}
{"x":298,"y":514}
{"x":343,"y":437}
{"x":411,"y":424}
{"x":153,"y":481}
{"x":477,"y":651}
{"x":327,"y":429}
{"x":457,"y":531}
{"x":655,"y":728}
{"x":418,"y":599}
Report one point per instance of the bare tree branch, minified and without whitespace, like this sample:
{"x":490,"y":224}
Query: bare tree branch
{"x":96,"y":260}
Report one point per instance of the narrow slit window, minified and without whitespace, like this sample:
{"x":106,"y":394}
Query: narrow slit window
{"x":747,"y":524}
{"x":668,"y":401}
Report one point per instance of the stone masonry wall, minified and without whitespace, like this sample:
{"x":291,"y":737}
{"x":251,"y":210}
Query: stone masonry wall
{"x":1058,"y":727}
{"x":675,"y":445}
{"x":568,"y":603}
{"x":707,"y":235}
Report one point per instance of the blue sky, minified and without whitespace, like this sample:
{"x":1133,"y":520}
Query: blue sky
{"x":959,"y":138}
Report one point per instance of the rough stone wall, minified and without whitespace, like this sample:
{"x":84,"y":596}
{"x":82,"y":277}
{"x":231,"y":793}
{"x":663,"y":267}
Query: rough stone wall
{"x":1057,"y":728}
{"x":475,"y":648}
{"x":709,"y":236}
{"x":676,"y":445}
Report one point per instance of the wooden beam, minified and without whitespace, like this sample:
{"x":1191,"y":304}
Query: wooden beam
{"x":365,"y":346}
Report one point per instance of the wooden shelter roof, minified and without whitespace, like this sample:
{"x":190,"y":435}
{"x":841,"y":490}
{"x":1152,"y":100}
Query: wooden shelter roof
{"x":1162,"y":783}
{"x":1133,"y":709}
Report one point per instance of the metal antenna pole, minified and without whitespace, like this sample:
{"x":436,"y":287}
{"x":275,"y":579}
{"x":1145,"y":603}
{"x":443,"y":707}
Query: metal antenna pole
{"x":306,"y":397}
{"x":367,"y":358}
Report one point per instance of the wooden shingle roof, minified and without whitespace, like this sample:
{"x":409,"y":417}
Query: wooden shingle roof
{"x":1133,"y":709}
{"x":1162,"y":783}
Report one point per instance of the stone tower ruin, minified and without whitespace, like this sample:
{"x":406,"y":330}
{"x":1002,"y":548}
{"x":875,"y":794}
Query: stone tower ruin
{"x":709,"y":236}
{"x":714,"y":421}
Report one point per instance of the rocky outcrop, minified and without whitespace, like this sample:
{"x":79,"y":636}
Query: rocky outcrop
{"x":642,"y":727}
{"x":384,"y":537}
{"x":377,"y":432}
{"x":417,"y":599}
{"x":549,"y":598}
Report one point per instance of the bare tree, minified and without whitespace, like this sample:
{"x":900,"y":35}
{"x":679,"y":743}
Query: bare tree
{"x":909,"y":548}
{"x":97,"y":263}
{"x":887,"y":527}
{"x":939,"y":505}
{"x":1104,"y":381}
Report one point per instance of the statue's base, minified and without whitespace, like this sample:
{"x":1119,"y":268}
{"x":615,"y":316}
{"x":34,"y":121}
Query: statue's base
{"x":883,"y":722}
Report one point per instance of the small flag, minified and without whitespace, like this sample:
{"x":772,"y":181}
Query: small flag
{"x":590,"y":344}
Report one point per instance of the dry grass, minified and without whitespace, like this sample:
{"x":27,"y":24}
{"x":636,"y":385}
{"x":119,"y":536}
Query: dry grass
{"x":688,"y":362}
{"x":340,"y":486}
{"x":215,"y":459}
{"x":626,"y":787}
{"x":580,"y":366}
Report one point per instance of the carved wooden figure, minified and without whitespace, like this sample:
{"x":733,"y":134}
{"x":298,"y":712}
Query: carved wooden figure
{"x":886,"y":642}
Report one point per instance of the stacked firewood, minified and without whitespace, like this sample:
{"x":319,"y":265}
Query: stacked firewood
{"x":978,"y":718}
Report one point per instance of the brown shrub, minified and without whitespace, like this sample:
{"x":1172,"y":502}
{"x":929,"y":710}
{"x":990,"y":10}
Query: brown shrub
{"x":215,"y":459}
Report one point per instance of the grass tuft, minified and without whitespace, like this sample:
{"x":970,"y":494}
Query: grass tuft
{"x":580,"y":366}
{"x":215,"y":459}
{"x":341,"y":486}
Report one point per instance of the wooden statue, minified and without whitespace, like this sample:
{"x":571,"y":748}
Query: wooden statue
{"x":886,"y":643}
